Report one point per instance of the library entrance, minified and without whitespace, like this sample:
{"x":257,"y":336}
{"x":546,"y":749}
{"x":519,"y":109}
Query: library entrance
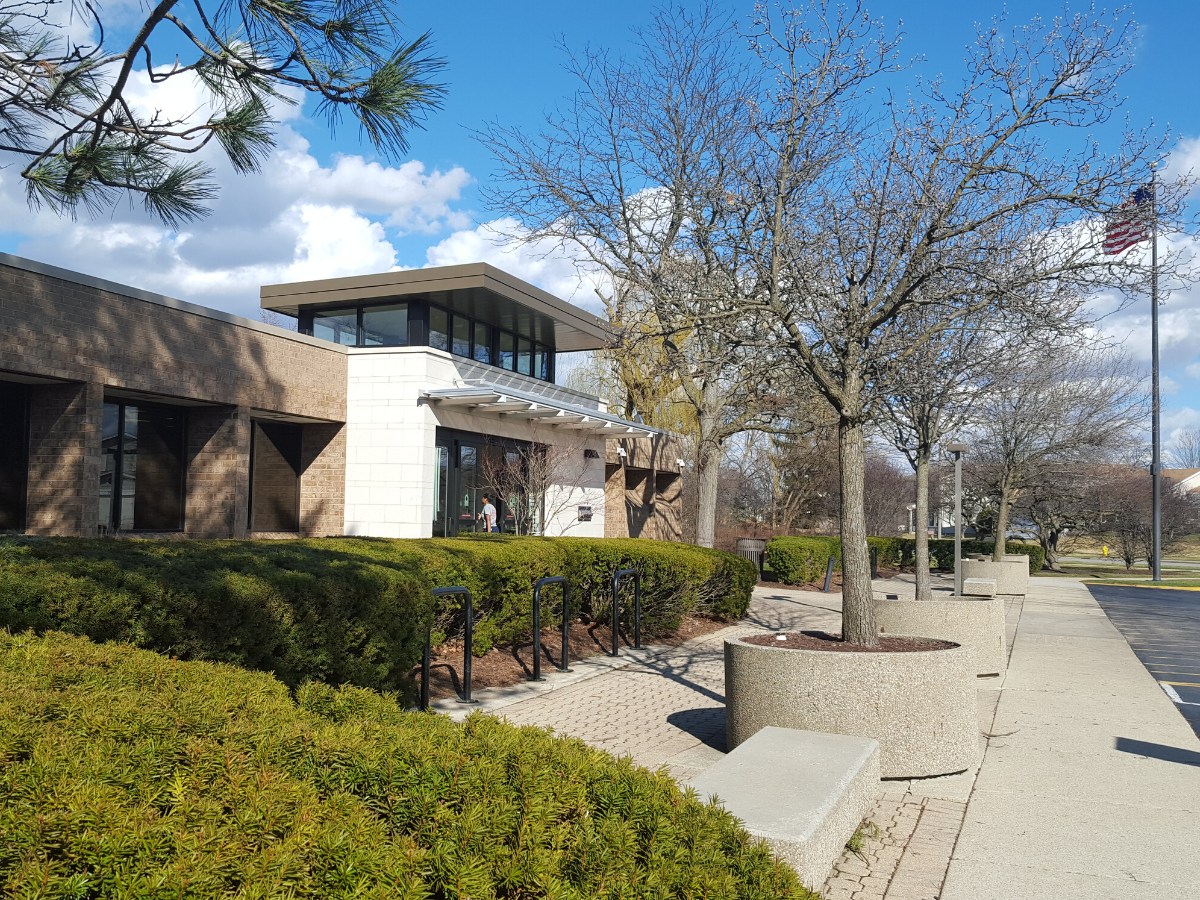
{"x":468,"y":467}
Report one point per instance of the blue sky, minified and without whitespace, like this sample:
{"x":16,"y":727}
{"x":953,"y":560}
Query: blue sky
{"x":326,"y":206}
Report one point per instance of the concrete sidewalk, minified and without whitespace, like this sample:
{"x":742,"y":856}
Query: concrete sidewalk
{"x":1090,"y":784}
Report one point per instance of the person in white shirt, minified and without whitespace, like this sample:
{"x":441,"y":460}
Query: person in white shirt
{"x":488,"y":515}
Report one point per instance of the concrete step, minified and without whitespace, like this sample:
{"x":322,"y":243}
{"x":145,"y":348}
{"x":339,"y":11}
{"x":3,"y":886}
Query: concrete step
{"x":804,"y":792}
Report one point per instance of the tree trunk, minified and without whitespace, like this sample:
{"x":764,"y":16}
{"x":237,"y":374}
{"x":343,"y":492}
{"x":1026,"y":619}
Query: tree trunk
{"x":708,"y":464}
{"x":921,"y":532}
{"x":1001,"y":523}
{"x":858,"y":603}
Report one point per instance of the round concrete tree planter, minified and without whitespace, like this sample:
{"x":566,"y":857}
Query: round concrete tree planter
{"x":974,"y":622}
{"x":920,"y":706}
{"x":1010,"y":574}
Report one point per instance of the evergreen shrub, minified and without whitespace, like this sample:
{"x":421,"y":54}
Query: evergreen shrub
{"x":800,"y":560}
{"x":125,"y":774}
{"x":345,"y":610}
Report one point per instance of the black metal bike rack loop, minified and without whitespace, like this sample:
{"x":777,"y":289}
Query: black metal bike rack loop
{"x":537,"y":625}
{"x":425,"y":670}
{"x":467,"y":640}
{"x":616,"y":609}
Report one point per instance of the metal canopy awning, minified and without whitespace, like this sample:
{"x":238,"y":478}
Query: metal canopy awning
{"x":543,"y":410}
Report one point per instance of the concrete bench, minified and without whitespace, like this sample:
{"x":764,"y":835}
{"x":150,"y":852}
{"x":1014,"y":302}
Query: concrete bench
{"x":804,"y":792}
{"x":979,"y":587}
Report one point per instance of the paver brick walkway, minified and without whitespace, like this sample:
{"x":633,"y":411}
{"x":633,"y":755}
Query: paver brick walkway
{"x":668,"y":710}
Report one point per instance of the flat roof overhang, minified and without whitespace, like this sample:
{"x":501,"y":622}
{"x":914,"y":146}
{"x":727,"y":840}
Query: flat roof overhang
{"x":546,"y":412}
{"x":476,"y":289}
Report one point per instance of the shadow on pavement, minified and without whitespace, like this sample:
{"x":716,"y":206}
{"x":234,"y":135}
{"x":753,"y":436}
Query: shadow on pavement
{"x":1158,"y":751}
{"x":706,"y":725}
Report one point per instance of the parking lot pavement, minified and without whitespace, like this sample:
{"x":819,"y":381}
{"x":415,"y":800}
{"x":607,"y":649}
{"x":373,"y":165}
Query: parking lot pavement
{"x":1162,"y":627}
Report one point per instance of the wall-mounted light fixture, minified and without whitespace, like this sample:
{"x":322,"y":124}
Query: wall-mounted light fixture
{"x":589,"y":453}
{"x":621,"y":452}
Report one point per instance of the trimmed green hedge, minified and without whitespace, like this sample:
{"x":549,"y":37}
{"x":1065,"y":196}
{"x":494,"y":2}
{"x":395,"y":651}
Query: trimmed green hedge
{"x":800,"y":560}
{"x":300,"y":609}
{"x":126,"y":774}
{"x":500,"y":570}
{"x":346,"y":610}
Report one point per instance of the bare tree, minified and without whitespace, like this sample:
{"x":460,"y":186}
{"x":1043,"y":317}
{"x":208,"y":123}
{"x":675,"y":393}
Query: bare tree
{"x":1127,"y":494}
{"x":634,"y":177}
{"x":1186,"y":454}
{"x":1060,"y":408}
{"x":949,"y":201}
{"x":1065,"y":500}
{"x":930,"y":394}
{"x":66,"y":115}
{"x":886,"y":489}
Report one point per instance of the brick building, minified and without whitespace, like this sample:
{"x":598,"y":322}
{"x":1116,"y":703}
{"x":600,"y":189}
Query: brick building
{"x":402,"y":401}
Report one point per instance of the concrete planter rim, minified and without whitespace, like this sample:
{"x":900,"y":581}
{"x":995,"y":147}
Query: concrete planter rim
{"x":954,"y":645}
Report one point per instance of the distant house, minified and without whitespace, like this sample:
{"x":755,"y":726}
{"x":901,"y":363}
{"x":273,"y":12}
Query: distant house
{"x":1184,"y":480}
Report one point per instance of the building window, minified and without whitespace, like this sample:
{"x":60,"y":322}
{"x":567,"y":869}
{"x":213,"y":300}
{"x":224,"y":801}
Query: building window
{"x":462,"y":337}
{"x":524,"y":357}
{"x":385,"y":326}
{"x":439,"y":328}
{"x":508,"y":352}
{"x":482,"y":346}
{"x":390,"y":325}
{"x":141,"y":476}
{"x":275,"y":476}
{"x":337,"y":325}
{"x":14,"y":454}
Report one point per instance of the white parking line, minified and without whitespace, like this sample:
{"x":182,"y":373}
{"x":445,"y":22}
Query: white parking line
{"x":1174,"y":695}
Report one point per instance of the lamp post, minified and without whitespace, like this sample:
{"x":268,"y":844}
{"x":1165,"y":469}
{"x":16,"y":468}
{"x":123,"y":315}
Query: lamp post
{"x":958,"y":450}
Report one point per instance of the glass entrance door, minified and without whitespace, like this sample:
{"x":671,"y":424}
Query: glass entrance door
{"x":462,"y":464}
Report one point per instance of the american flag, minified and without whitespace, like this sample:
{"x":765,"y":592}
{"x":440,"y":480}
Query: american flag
{"x":1133,"y":224}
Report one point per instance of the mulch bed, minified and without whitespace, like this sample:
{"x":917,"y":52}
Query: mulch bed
{"x":502,"y":666}
{"x":821,"y":640}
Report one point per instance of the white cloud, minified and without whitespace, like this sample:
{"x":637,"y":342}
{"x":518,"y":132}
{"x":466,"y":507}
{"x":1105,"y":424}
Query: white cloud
{"x":295,"y":220}
{"x":543,"y":263}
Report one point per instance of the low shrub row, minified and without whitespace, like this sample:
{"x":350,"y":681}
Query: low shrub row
{"x":799,"y":560}
{"x":126,"y":774}
{"x":342,"y":610}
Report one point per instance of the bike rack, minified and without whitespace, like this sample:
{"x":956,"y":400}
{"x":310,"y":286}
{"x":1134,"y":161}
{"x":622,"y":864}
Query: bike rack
{"x":874,"y":561}
{"x":829,"y":575}
{"x":467,"y":640}
{"x":537,"y":625}
{"x":616,"y":609}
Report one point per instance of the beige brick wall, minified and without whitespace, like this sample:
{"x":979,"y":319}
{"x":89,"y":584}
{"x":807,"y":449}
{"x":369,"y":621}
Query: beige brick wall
{"x":95,"y":335}
{"x":64,"y":459}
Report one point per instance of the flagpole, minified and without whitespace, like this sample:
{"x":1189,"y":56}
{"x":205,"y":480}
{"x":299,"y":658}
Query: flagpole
{"x":1156,"y":463}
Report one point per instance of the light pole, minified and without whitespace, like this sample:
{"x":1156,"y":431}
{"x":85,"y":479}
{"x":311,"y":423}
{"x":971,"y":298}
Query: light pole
{"x":958,"y":450}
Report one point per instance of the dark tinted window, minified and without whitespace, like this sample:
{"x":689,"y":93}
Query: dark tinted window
{"x":337,"y":325}
{"x":385,"y":326}
{"x":439,"y":328}
{"x":275,"y":477}
{"x":14,"y":454}
{"x":541,"y":365}
{"x":524,"y":357}
{"x":508,"y":351}
{"x":483,"y":343}
{"x":141,"y":474}
{"x":462,"y":336}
